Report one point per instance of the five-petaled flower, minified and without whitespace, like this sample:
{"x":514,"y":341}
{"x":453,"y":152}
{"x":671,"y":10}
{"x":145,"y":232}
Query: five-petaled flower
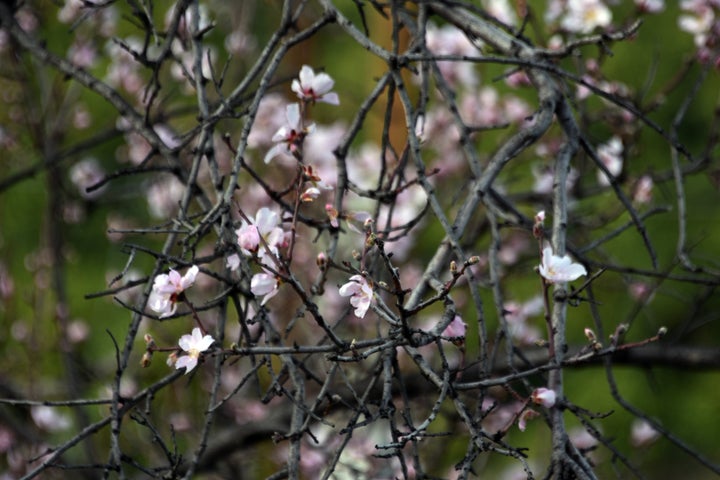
{"x":544,"y":396}
{"x":315,"y":88}
{"x":361,"y":292}
{"x":194,"y":345}
{"x":168,"y":288}
{"x":557,"y":269}
{"x":289,"y":137}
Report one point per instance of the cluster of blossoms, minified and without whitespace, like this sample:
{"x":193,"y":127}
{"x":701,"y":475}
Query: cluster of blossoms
{"x":700,"y":19}
{"x":168,"y":290}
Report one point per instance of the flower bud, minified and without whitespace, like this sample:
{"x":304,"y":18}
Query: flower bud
{"x":590,"y":335}
{"x":544,"y":396}
{"x":146,"y":359}
{"x":453,"y":267}
{"x":473,"y":260}
{"x":172,"y":358}
{"x":321,"y":261}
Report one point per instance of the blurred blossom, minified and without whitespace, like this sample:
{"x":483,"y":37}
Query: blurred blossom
{"x":312,"y":88}
{"x":73,"y":212}
{"x":610,"y":154}
{"x":232,"y":262}
{"x":19,"y":330}
{"x":581,"y":16}
{"x":81,"y":117}
{"x":556,"y":269}
{"x":270,"y":117}
{"x":164,"y":197}
{"x":70,"y":11}
{"x":7,"y":439}
{"x":545,"y":178}
{"x":77,"y":331}
{"x":650,"y":6}
{"x":361,"y":294}
{"x":697,"y":19}
{"x":49,"y":418}
{"x":448,"y":40}
{"x":517,"y":315}
{"x":7,"y":285}
{"x":501,"y":10}
{"x":193,"y":344}
{"x":512,"y":247}
{"x":129,"y":295}
{"x":26,"y":19}
{"x":641,"y":291}
{"x":642,"y":433}
{"x":82,"y":54}
{"x":517,"y":79}
{"x":643,"y":190}
{"x":115,"y":221}
{"x":318,"y":150}
{"x":582,"y":439}
{"x":186,"y":64}
{"x":456,"y":328}
{"x":124,"y":71}
{"x":239,"y":42}
{"x":85,"y":174}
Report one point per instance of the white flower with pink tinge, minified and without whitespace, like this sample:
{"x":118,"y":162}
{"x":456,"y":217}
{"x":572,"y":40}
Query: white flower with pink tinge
{"x":264,"y":285}
{"x":556,"y":269}
{"x":361,"y":294}
{"x":315,"y":88}
{"x":262,"y":233}
{"x":194,"y":344}
{"x":167,"y":289}
{"x":288,"y":139}
{"x":544,"y":396}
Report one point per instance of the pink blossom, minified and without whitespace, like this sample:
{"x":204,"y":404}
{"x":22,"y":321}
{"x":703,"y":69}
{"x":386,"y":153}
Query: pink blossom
{"x":49,"y":418}
{"x":544,"y":396}
{"x":557,"y":269}
{"x":449,"y":40}
{"x":85,"y":174}
{"x":650,"y":6}
{"x":643,"y":190}
{"x":643,"y":433}
{"x":456,"y":328}
{"x":288,"y":139}
{"x":315,"y":88}
{"x":261,"y":234}
{"x":361,"y":293}
{"x":194,"y":345}
{"x":516,"y":316}
{"x":167,"y":288}
{"x":233,"y":262}
{"x":526,"y":415}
